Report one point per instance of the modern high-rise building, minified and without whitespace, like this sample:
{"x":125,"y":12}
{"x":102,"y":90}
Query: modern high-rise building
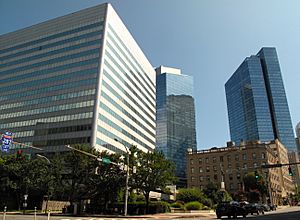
{"x":298,"y":137}
{"x":175,"y":117}
{"x":256,"y":101}
{"x":79,"y":78}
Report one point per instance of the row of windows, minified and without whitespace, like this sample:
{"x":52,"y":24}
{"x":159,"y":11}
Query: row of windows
{"x":128,"y":115}
{"x":76,"y":53}
{"x":44,"y":48}
{"x":75,"y":63}
{"x":109,"y":146}
{"x":48,"y":109}
{"x":107,"y":86}
{"x":62,"y":34}
{"x":148,"y":81}
{"x":48,"y":99}
{"x":130,"y":88}
{"x":126,"y":65}
{"x":115,"y":104}
{"x":51,"y":79}
{"x":126,"y":133}
{"x":49,"y":89}
{"x":67,"y":141}
{"x":229,"y":168}
{"x":128,"y":96}
{"x":128,"y":76}
{"x":30,"y":59}
{"x":229,"y":158}
{"x":47,"y":131}
{"x":51,"y":61}
{"x":47,"y":120}
{"x":126,"y":123}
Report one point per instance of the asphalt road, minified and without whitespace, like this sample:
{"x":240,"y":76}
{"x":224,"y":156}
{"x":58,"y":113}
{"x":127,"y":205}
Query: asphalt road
{"x":290,"y":213}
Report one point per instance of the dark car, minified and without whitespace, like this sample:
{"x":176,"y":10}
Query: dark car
{"x":230,"y":210}
{"x":255,"y":208}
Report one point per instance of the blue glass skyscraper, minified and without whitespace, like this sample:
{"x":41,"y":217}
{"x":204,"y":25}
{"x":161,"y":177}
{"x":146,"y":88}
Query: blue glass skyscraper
{"x":175,"y":117}
{"x":256,"y":101}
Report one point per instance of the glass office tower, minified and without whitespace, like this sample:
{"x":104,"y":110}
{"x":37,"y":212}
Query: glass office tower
{"x":256,"y":101}
{"x":79,"y":78}
{"x":175,"y":106}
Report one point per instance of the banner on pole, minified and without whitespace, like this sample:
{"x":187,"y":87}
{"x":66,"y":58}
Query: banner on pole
{"x":6,"y":141}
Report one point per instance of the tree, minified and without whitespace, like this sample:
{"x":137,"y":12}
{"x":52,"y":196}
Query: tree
{"x":190,"y":195}
{"x":154,"y":172}
{"x":255,"y":187}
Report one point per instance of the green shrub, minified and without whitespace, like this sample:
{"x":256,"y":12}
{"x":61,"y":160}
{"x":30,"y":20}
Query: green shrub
{"x":160,"y":207}
{"x":194,"y":206}
{"x":205,"y":208}
{"x":177,"y":205}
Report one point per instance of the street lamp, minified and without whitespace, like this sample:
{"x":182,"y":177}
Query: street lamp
{"x":127,"y":178}
{"x":49,"y":163}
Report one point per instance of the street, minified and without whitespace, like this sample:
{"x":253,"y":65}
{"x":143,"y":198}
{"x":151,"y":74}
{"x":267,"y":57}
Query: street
{"x":289,"y":213}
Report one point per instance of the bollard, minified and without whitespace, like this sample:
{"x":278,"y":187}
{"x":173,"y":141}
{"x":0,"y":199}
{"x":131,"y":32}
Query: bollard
{"x":34,"y":213}
{"x":4,"y":213}
{"x":48,"y":215}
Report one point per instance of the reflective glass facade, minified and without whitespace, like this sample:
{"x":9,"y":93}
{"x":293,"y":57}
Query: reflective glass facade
{"x":80,"y":78}
{"x":256,"y":101}
{"x":176,"y":130}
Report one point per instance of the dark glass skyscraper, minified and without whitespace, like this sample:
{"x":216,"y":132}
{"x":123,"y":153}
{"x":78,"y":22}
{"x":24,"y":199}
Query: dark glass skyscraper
{"x":256,"y":101}
{"x":176,"y":130}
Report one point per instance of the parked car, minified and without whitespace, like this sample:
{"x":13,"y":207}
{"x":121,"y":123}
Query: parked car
{"x":273,"y":207}
{"x":232,"y":209}
{"x":266,"y":207}
{"x":255,"y":208}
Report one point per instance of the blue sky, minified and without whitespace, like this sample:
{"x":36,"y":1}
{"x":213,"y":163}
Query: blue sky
{"x":205,"y":38}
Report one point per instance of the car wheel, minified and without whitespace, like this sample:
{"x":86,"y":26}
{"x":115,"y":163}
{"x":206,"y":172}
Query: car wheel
{"x":219,"y":216}
{"x":229,"y":216}
{"x":244,"y":216}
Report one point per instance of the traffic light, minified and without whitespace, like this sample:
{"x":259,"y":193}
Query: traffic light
{"x":19,"y":155}
{"x":290,"y":171}
{"x":256,"y":175}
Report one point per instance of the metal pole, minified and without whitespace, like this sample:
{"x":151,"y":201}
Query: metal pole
{"x":126,"y":192}
{"x":48,"y":215}
{"x":4,"y":213}
{"x":34,"y":213}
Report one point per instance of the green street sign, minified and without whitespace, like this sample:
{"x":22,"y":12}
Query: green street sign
{"x":106,"y":160}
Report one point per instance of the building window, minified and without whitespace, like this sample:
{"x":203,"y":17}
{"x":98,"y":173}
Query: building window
{"x":228,"y":158}
{"x":215,"y":168}
{"x":237,"y":166}
{"x":192,"y":170}
{"x":206,"y":160}
{"x":230,"y":177}
{"x":221,"y":159}
{"x":231,"y":186}
{"x":254,"y":164}
{"x":238,"y":176}
{"x":237,"y":157}
{"x":192,"y":161}
{"x":200,"y":170}
{"x":215,"y":177}
{"x":201,"y":178}
{"x":263,"y":156}
{"x":208,"y":178}
{"x":245,"y":165}
{"x":229,"y":166}
{"x":254,"y":156}
{"x":200,"y":160}
{"x":192,"y":178}
{"x":207,"y":169}
{"x":214,"y":159}
{"x":244,"y":157}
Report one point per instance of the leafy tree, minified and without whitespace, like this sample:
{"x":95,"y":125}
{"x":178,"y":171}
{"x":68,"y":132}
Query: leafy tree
{"x":255,"y":187}
{"x":154,"y":172}
{"x":190,"y":195}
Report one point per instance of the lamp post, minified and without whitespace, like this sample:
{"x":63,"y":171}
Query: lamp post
{"x":127,"y":178}
{"x":49,"y":165}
